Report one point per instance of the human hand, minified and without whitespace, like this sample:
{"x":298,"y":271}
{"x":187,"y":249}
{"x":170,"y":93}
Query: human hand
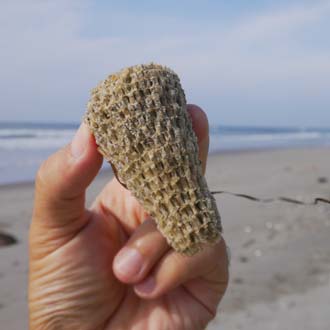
{"x":109,"y":267}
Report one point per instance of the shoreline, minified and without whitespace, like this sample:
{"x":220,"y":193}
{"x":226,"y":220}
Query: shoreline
{"x":215,"y":153}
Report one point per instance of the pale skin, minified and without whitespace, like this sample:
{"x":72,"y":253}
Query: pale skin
{"x":108,"y":267}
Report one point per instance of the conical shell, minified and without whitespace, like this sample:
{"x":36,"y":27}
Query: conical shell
{"x":139,"y":119}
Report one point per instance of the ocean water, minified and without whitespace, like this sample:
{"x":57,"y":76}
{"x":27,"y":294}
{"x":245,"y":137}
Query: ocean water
{"x":24,"y":146}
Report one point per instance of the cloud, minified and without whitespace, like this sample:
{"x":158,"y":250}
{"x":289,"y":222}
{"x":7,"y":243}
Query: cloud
{"x":276,"y":23}
{"x":49,"y":63}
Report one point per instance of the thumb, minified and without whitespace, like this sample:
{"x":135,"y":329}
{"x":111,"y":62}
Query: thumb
{"x":61,"y":183}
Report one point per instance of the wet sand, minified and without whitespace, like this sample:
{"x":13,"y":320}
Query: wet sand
{"x":280,"y":272}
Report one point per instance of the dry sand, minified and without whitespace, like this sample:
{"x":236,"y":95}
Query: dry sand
{"x":280,"y":252}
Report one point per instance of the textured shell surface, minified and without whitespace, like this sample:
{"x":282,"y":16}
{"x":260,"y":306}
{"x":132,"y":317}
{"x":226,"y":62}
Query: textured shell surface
{"x":139,"y":119}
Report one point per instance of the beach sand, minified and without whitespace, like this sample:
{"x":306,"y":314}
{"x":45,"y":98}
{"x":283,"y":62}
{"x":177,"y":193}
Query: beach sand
{"x":280,"y":251}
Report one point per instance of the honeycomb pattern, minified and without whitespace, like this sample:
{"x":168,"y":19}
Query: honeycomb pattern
{"x":139,"y":119}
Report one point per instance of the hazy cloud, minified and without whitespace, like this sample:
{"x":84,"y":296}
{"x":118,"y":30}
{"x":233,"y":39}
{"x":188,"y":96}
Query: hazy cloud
{"x":272,"y":67}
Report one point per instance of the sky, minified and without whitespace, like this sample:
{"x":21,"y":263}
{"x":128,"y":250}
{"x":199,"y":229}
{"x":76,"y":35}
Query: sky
{"x":258,"y":63}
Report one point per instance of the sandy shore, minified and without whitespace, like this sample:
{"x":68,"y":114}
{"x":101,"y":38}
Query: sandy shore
{"x":280,"y":252}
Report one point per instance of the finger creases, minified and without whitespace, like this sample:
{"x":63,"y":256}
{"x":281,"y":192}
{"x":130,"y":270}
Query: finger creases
{"x":143,"y":250}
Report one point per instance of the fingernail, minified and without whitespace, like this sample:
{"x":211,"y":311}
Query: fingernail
{"x":129,"y":262}
{"x":80,"y":141}
{"x":146,"y":287}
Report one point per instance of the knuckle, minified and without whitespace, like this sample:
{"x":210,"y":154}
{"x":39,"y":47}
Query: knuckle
{"x":49,"y":169}
{"x":42,"y":174}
